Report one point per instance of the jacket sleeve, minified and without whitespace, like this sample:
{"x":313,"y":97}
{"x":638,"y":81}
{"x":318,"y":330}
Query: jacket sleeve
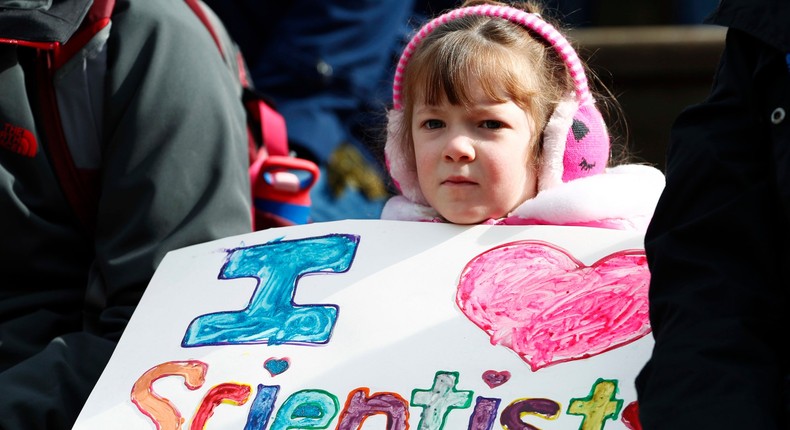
{"x":174,"y":173}
{"x":717,"y":251}
{"x":176,"y":167}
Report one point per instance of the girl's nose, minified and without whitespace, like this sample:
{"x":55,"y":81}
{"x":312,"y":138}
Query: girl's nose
{"x":459,"y":148}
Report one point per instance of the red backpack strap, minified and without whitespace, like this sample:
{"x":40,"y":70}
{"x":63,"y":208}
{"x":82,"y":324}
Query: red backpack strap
{"x":80,"y":190}
{"x":201,"y":14}
{"x":280,"y":183}
{"x":275,"y":135}
{"x":268,"y":125}
{"x":80,"y":186}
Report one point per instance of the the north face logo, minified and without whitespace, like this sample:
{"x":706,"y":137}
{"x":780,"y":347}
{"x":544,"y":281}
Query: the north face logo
{"x":18,"y":139}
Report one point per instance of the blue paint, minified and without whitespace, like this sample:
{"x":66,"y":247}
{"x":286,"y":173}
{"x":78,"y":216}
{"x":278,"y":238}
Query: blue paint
{"x":276,"y":366}
{"x":272,"y":316}
{"x":307,"y":409}
{"x":262,"y":406}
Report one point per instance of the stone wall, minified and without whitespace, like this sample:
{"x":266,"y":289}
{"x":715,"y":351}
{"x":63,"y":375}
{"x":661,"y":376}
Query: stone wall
{"x":654,"y":72}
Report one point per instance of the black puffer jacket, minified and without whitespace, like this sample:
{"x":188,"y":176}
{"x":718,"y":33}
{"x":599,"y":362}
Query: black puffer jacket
{"x":717,"y":245}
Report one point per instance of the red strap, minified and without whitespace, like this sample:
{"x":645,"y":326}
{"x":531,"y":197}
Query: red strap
{"x":80,"y":186}
{"x":273,"y":130}
{"x":80,"y":191}
{"x":193,"y":4}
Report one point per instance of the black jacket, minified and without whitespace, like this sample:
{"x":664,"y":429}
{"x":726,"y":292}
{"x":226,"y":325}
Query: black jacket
{"x":717,"y":245}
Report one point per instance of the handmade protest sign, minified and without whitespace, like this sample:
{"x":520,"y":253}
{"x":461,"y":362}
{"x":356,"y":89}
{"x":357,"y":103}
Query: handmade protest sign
{"x":370,"y":324}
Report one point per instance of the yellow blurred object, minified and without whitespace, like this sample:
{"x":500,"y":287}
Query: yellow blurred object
{"x":348,"y":168}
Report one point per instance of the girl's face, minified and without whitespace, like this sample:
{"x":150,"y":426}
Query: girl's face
{"x":474,"y":164}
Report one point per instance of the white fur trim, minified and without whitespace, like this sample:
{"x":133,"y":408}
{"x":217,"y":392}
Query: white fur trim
{"x":625,"y":195}
{"x":401,"y":208}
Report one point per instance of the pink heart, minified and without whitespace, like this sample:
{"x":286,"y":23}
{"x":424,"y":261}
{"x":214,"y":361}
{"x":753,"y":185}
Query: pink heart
{"x":538,"y":300}
{"x":494,"y":379}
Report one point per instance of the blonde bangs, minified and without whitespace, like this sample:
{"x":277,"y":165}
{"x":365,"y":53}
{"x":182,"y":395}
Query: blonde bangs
{"x":504,"y":59}
{"x":448,"y":69}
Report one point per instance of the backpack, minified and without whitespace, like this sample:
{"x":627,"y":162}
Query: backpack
{"x":280,"y":183}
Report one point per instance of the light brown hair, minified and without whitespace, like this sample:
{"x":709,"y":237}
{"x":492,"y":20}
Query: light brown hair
{"x":504,"y":58}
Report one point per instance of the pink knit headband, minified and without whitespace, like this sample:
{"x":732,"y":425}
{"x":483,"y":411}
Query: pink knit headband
{"x":529,"y":20}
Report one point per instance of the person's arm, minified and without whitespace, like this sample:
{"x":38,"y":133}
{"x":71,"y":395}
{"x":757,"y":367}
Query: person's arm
{"x":174,"y":174}
{"x":717,"y":250}
{"x":176,"y":167}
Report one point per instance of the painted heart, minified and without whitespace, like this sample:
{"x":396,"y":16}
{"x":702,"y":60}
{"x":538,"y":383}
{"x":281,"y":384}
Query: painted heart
{"x":276,"y":366}
{"x":548,"y":307}
{"x":494,"y":378}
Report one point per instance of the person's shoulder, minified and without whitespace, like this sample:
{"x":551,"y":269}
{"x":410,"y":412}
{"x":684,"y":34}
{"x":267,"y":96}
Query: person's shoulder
{"x":749,"y":16}
{"x":173,"y":19}
{"x":160,"y":37}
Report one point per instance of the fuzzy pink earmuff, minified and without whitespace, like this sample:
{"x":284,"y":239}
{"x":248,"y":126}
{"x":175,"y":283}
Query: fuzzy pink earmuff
{"x":575,"y":140}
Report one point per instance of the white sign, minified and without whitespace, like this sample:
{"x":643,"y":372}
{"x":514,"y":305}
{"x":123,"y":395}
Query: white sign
{"x":370,"y":324}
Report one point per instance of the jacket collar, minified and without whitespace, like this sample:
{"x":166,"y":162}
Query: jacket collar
{"x":41,"y":20}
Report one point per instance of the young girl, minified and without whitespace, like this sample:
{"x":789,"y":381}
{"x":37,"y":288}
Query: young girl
{"x":493,"y":122}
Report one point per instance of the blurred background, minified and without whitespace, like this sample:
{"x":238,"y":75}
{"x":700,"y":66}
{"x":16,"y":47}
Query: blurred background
{"x":327,"y":66}
{"x":656,"y":57}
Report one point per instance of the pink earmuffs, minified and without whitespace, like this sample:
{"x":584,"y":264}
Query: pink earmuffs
{"x":575,"y":140}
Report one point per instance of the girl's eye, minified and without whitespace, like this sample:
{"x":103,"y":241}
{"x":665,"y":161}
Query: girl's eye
{"x":433,"y":123}
{"x":491,"y":124}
